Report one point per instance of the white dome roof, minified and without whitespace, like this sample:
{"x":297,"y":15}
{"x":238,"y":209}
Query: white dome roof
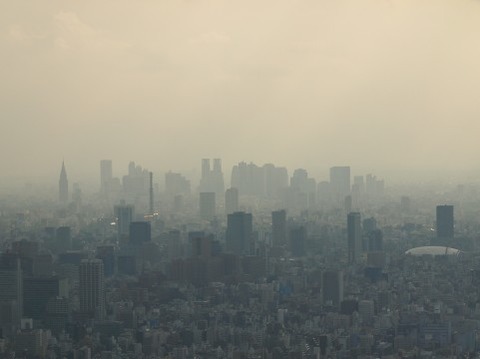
{"x":433,"y":251}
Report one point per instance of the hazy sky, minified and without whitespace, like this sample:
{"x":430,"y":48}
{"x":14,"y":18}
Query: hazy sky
{"x":375,"y":84}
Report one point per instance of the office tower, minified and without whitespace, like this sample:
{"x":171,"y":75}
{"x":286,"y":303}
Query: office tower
{"x":354,"y":234}
{"x":298,"y":239}
{"x":217,"y":177}
{"x":11,"y":292}
{"x":176,"y":184}
{"x":359,"y":184}
{"x":151,"y":193}
{"x":239,"y":234}
{"x":107,"y":255}
{"x":340,"y":182}
{"x":445,"y":224}
{"x":212,"y":179}
{"x":63,"y":185}
{"x":276,"y":180}
{"x":207,"y":205}
{"x":136,"y":183}
{"x":279,"y":228}
{"x":124,"y":216}
{"x":231,"y":200}
{"x":332,"y":287}
{"x":92,"y":288}
{"x":140,"y":232}
{"x":374,"y":188}
{"x":106,"y":175}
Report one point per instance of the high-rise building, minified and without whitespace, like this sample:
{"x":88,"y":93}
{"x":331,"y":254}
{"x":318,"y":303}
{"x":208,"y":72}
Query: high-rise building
{"x":106,"y":175}
{"x":207,"y":205}
{"x":298,"y":239}
{"x":239,"y":234}
{"x":140,"y":232}
{"x":354,"y":234}
{"x":279,"y":228}
{"x":124,"y":216}
{"x":92,"y":288}
{"x":340,"y":182}
{"x":332,"y":287}
{"x":445,"y":224}
{"x":231,"y":200}
{"x":212,"y":179}
{"x":11,"y":292}
{"x":63,"y":185}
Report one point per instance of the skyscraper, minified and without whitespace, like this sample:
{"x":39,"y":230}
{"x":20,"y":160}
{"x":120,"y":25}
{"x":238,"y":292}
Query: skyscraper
{"x":124,"y":216}
{"x":332,"y":287}
{"x":340,"y":182}
{"x":106,"y":175}
{"x":11,"y":292}
{"x":445,"y":224}
{"x":354,"y":234}
{"x":212,"y":179}
{"x":63,"y":185}
{"x":239,"y":233}
{"x":92,"y":288}
{"x":140,"y":232}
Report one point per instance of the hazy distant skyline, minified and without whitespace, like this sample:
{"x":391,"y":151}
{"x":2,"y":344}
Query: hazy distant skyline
{"x":377,"y":85}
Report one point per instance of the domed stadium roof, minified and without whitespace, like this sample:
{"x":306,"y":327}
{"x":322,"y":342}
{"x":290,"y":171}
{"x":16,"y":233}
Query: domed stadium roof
{"x":433,"y":251}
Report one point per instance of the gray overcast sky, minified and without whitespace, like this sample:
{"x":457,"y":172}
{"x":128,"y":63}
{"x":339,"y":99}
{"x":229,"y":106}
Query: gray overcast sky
{"x":376,"y":84}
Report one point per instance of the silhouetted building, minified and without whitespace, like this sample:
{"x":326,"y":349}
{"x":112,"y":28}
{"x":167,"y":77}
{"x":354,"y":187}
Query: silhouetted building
{"x":92,"y":288}
{"x":332,"y":287}
{"x":176,"y":184}
{"x":207,"y":205}
{"x":340,"y":182}
{"x":63,"y":185}
{"x":11,"y":292}
{"x":354,"y":237}
{"x":124,"y":216}
{"x":212,"y":179}
{"x":106,"y":176}
{"x":140,"y":232}
{"x":231,"y":201}
{"x":445,"y":224}
{"x":298,"y":238}
{"x":239,"y":234}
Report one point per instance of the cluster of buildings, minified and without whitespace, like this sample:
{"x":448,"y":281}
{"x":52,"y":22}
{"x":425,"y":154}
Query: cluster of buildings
{"x":317,"y":270}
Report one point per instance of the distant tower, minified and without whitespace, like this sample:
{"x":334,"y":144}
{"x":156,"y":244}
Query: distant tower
{"x":63,"y":185}
{"x":151,"y":193}
{"x":124,"y":216}
{"x":92,"y":288}
{"x":332,"y":287}
{"x":445,"y":225}
{"x":239,"y":233}
{"x":106,"y":175}
{"x":354,"y":233}
{"x":340,"y":182}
